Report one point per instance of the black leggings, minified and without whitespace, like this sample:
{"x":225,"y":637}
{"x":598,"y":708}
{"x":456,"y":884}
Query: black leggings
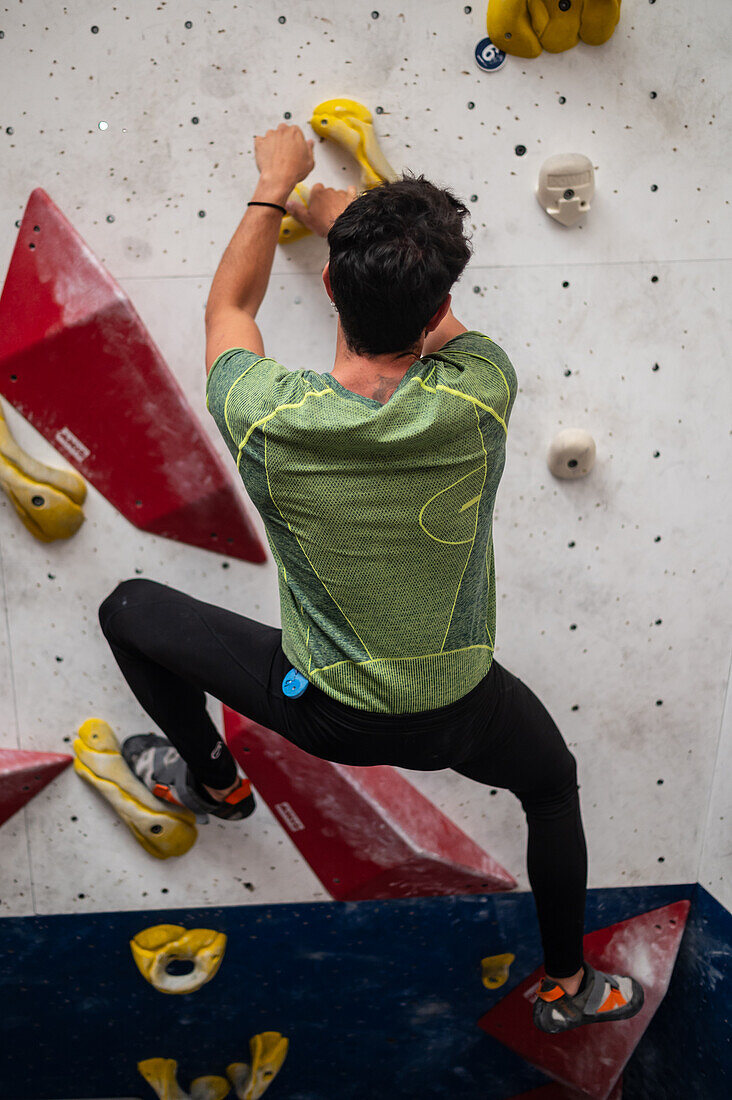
{"x":172,"y":649}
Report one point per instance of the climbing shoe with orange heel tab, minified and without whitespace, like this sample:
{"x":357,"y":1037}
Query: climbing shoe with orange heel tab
{"x":602,"y":998}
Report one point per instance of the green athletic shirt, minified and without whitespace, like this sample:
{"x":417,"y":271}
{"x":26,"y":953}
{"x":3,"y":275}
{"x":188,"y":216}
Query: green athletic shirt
{"x":380,"y":517}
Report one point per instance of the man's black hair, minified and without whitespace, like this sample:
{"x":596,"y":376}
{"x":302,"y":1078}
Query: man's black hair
{"x":395,"y":252}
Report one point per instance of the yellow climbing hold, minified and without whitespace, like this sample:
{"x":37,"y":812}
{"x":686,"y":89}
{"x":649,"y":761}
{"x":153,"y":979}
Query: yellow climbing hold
{"x":155,"y":948}
{"x":267,"y":1051}
{"x":350,"y":125}
{"x":495,"y":969}
{"x":161,"y":1075}
{"x":162,"y":831}
{"x":525,"y":27}
{"x":47,"y":500}
{"x":290,"y":228}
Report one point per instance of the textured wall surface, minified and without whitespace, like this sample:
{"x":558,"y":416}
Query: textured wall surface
{"x":619,"y":326}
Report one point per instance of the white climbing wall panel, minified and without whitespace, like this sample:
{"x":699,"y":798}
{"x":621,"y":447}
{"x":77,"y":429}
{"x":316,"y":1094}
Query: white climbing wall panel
{"x":612,"y":601}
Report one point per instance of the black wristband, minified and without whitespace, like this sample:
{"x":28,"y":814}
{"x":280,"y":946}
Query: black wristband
{"x":276,"y":205}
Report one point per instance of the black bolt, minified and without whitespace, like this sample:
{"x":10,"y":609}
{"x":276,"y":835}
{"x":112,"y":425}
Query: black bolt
{"x":562,"y":99}
{"x":38,"y":502}
{"x":569,"y":193}
{"x":471,"y":105}
{"x":654,"y":278}
{"x":654,"y":95}
{"x":467,"y":10}
{"x":565,"y":284}
{"x":374,"y":15}
{"x":194,"y":120}
{"x":565,"y":5}
{"x":288,"y":114}
{"x":520,"y":150}
{"x":188,"y":24}
{"x":282,"y":19}
{"x":654,"y":187}
{"x":95,"y":30}
{"x":110,"y":217}
{"x":379,"y":110}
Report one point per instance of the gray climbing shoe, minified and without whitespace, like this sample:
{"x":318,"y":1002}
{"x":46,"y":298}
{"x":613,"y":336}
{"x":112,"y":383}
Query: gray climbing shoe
{"x":606,"y":997}
{"x":159,"y":765}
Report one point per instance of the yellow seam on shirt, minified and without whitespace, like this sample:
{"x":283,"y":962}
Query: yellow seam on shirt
{"x":315,"y":571}
{"x":488,"y":575}
{"x":475,"y":532}
{"x":262,"y":359}
{"x":475,"y":500}
{"x":376,"y":660}
{"x":508,"y":388}
{"x":465,"y":397}
{"x":263,"y":421}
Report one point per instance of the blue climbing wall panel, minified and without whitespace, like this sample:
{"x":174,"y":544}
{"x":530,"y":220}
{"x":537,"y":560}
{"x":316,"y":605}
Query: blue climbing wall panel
{"x":376,"y":998}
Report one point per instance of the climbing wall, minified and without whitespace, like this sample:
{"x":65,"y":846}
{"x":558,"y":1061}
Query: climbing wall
{"x":137,"y":120}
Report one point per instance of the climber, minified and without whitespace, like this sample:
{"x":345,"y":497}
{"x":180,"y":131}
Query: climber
{"x":376,"y":483}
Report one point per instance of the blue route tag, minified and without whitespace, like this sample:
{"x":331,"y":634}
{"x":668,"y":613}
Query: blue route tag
{"x":488,"y":56}
{"x":294,"y":683}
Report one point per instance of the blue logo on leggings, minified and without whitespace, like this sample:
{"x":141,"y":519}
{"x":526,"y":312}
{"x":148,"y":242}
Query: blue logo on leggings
{"x":294,"y":683}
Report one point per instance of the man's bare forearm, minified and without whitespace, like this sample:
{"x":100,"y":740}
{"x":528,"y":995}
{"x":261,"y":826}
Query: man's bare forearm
{"x":242,"y":276}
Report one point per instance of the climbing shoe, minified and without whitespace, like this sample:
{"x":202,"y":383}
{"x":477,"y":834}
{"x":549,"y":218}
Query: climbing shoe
{"x":601,"y":998}
{"x":159,"y":765}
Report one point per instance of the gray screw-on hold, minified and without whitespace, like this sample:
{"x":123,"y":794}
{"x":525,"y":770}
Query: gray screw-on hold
{"x":571,"y":454}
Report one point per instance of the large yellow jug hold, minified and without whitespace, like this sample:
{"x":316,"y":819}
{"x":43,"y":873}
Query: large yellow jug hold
{"x":47,"y":500}
{"x":350,"y":125}
{"x":161,"y":1075}
{"x":526,"y":27}
{"x":162,"y":831}
{"x":267,"y":1051}
{"x":155,"y":948}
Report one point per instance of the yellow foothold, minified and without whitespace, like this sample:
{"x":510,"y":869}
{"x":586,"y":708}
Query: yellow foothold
{"x":160,"y":1074}
{"x":350,"y":125}
{"x":155,"y":948}
{"x":47,"y":500}
{"x":268,"y":1051}
{"x":495,"y":970}
{"x":162,"y":832}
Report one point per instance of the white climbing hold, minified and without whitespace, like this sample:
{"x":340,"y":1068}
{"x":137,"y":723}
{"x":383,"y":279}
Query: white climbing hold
{"x":572,"y":453}
{"x":566,"y":187}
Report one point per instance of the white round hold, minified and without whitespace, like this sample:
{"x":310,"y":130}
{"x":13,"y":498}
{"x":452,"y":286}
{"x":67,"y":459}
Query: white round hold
{"x":572,"y":453}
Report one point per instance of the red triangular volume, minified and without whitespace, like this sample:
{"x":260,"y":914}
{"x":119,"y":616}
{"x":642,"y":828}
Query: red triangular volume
{"x":78,"y":363}
{"x":591,"y":1058}
{"x":366,"y":832}
{"x":24,"y":774}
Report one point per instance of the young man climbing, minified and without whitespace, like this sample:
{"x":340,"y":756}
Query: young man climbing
{"x":376,"y":483}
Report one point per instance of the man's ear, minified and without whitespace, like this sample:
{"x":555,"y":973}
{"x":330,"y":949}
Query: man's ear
{"x":439,"y":315}
{"x":326,"y":280}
